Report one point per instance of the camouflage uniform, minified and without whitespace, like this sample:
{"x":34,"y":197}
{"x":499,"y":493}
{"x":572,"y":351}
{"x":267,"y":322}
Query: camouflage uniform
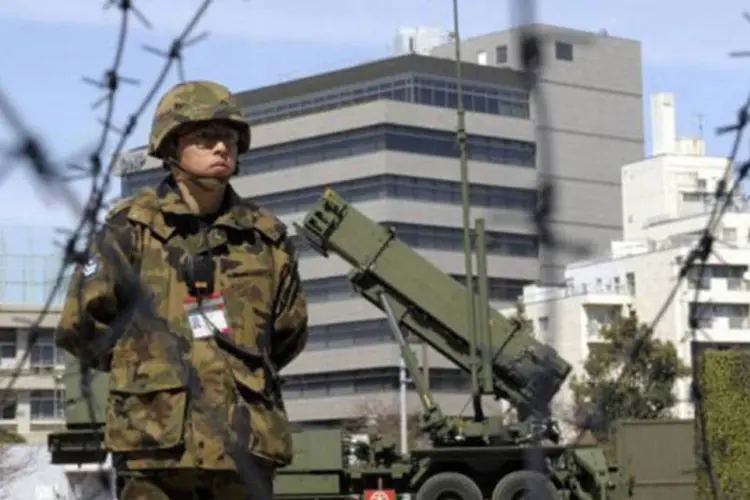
{"x":185,"y":415}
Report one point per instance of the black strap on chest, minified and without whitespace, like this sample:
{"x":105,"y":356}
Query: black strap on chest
{"x":201,"y":276}
{"x":261,"y":353}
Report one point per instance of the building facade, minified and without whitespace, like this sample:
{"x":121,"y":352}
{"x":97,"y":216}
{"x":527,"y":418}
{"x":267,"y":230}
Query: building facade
{"x":35,"y":403}
{"x":382,"y":135}
{"x":32,"y":392}
{"x":667,"y":200}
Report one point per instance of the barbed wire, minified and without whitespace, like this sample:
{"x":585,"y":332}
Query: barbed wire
{"x":29,"y":150}
{"x":532,"y":63}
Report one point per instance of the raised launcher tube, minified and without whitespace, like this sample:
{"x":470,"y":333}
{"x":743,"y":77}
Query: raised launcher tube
{"x":430,"y":304}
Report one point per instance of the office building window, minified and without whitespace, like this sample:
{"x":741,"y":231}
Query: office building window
{"x":8,"y":405}
{"x":429,"y":90}
{"x":401,"y":187}
{"x":388,"y":137}
{"x":328,"y":289}
{"x":338,"y":288}
{"x":8,"y":344}
{"x":564,"y":51}
{"x":443,"y":238}
{"x":359,"y":142}
{"x":379,"y":380}
{"x":44,"y":352}
{"x":349,"y":334}
{"x":501,"y":54}
{"x":47,"y":405}
{"x":499,"y":289}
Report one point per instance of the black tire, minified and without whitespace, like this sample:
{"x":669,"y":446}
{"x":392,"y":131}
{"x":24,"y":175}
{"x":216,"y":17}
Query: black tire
{"x":449,"y":486}
{"x":516,"y":486}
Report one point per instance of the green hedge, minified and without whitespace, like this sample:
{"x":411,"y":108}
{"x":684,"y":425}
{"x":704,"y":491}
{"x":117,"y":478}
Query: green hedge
{"x":725,"y":389}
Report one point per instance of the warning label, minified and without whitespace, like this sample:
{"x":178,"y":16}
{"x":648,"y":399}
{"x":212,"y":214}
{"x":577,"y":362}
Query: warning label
{"x":380,"y":495}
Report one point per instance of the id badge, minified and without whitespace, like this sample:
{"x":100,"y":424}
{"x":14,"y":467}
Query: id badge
{"x":210,"y":318}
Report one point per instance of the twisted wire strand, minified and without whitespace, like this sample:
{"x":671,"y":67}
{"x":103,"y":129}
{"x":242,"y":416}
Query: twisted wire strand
{"x":89,"y":231}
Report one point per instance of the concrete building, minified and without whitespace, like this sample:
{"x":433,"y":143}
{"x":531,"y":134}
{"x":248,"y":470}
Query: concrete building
{"x":593,"y":123}
{"x":36,"y":403}
{"x":29,"y":262}
{"x":666,"y":203}
{"x":382,"y":135}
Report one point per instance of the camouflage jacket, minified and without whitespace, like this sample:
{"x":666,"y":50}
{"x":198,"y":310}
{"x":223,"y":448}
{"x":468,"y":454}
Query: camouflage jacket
{"x":176,"y":401}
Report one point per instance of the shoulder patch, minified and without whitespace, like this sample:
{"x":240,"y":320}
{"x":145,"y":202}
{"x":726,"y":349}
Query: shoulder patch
{"x":91,"y":267}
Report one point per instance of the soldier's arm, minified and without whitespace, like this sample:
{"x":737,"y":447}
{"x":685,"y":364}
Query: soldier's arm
{"x":290,"y":326}
{"x":88,"y":326}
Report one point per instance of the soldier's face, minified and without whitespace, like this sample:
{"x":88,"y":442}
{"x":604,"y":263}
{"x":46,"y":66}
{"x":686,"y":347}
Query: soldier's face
{"x":209,"y":150}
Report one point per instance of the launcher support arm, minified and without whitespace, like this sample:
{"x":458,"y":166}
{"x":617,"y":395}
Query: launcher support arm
{"x":433,"y":420}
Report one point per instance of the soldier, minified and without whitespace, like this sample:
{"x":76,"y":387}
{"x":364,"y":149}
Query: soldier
{"x":194,"y":409}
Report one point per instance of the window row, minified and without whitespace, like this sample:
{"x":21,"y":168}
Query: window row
{"x":735,"y":315}
{"x":44,"y":352}
{"x":718,"y":271}
{"x":47,"y":405}
{"x":367,"y":381}
{"x":402,"y":187}
{"x":359,"y":142}
{"x":414,"y":88}
{"x":349,"y":334}
{"x":700,"y":279}
{"x":339,"y":288}
{"x":563,"y":52}
{"x":450,"y":239}
{"x":386,"y":137}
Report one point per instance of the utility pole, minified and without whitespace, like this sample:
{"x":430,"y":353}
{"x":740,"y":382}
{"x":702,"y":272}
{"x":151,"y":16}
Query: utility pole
{"x":404,"y":428}
{"x":465,"y":202}
{"x":403,"y":375}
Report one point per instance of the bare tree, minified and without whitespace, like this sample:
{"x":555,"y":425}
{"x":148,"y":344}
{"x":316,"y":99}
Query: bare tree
{"x":16,"y":461}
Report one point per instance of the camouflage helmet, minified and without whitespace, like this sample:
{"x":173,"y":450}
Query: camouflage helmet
{"x":195,"y":102}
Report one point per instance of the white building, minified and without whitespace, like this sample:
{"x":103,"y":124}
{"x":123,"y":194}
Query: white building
{"x":666,"y":202}
{"x":31,"y":382}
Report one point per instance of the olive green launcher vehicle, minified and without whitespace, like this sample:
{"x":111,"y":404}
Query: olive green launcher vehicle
{"x":469,"y":459}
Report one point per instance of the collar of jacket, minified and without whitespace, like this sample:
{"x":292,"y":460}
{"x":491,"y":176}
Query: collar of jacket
{"x":152,"y":205}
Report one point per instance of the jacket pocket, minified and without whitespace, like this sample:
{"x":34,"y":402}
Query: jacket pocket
{"x":265,"y":428}
{"x":146,"y":408}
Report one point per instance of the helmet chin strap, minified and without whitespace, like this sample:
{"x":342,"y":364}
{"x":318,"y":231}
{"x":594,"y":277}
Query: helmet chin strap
{"x":205,"y":183}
